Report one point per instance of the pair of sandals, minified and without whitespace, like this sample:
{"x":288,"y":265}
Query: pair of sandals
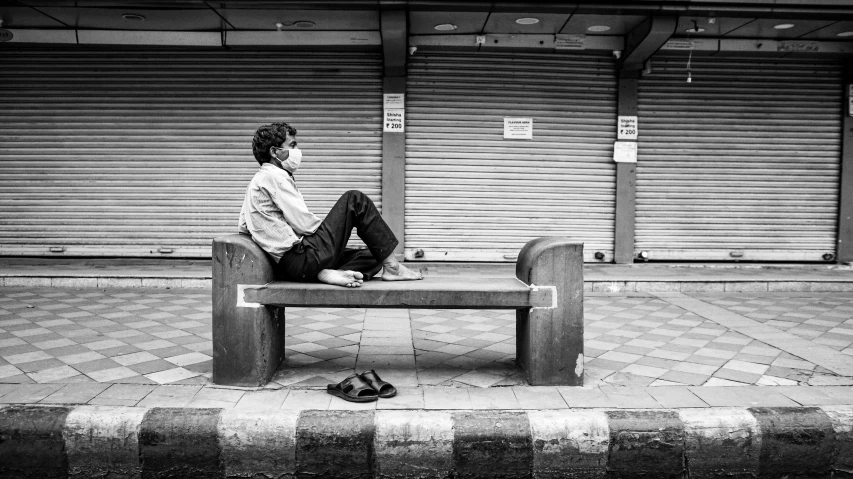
{"x":364,"y":387}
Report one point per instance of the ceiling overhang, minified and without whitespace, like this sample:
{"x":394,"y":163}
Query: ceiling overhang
{"x":783,"y":27}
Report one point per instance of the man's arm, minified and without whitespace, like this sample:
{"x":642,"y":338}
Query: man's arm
{"x":294,"y":209}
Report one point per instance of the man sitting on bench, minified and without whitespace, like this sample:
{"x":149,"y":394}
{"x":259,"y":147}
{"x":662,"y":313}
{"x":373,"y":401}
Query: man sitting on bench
{"x":304,"y":248}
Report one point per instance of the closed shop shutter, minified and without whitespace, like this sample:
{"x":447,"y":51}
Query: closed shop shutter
{"x":742,"y":163}
{"x":473,"y":195}
{"x":137,"y":152}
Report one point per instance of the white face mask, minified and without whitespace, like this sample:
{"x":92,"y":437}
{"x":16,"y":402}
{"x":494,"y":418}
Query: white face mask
{"x":294,"y":158}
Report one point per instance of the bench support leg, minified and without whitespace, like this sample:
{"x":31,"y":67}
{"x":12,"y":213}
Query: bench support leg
{"x":549,"y":341}
{"x":248,"y":340}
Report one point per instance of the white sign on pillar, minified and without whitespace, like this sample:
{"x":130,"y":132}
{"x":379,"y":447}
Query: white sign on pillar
{"x":625,"y":152}
{"x":394,"y":112}
{"x":627,"y":128}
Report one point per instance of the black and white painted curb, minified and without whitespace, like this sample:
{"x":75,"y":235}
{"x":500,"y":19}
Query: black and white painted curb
{"x":126,"y":442}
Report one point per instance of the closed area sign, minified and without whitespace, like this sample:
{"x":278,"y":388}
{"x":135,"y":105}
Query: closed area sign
{"x":518,"y":128}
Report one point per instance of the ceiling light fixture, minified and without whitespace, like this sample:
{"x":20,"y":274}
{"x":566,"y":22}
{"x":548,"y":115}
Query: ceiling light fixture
{"x":133,"y":17}
{"x":845,"y":34}
{"x":527,"y":21}
{"x":444,"y":27}
{"x":695,"y":30}
{"x":598,"y":28}
{"x":304,"y":23}
{"x":783,"y":26}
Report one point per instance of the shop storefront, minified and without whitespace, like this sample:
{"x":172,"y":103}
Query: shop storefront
{"x":479,"y":127}
{"x":129,"y":152}
{"x":476,"y":192}
{"x":742,"y":162}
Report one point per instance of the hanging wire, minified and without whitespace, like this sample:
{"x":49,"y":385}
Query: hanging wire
{"x":690,"y":55}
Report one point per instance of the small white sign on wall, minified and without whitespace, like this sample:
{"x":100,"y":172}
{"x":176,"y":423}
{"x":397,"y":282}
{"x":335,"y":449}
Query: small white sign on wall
{"x":627,"y":129}
{"x":570,"y":41}
{"x":395,"y":112}
{"x":625,"y":152}
{"x":518,"y":128}
{"x":394,"y":100}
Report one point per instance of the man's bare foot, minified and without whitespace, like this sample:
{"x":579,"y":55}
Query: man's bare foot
{"x":400,"y":273}
{"x":349,"y":279}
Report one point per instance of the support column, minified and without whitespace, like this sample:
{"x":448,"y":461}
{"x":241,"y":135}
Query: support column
{"x":626,"y":175}
{"x":845,"y":198}
{"x":641,"y":43}
{"x":394,"y":47}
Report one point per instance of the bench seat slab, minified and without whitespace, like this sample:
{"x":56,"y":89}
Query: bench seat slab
{"x":430,"y":293}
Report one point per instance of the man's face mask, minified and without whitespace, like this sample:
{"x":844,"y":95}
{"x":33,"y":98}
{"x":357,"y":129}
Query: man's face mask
{"x":294,"y":158}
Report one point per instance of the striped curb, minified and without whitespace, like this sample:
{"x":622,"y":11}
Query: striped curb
{"x":127,"y":442}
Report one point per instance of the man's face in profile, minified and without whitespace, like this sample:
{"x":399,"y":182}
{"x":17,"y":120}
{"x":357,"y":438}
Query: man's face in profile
{"x":282,"y":153}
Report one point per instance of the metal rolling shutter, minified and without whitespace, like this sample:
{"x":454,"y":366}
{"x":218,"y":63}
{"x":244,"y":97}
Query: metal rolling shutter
{"x":472,"y":195}
{"x":741,"y":163}
{"x":143,"y":152}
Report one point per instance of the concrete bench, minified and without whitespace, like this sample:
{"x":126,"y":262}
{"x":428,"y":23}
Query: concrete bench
{"x":249,"y":307}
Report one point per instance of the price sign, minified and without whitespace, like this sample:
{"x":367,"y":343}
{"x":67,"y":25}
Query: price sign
{"x":394,"y":119}
{"x":627,"y":128}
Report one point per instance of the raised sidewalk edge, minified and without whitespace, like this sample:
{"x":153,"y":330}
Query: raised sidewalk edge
{"x":94,"y":441}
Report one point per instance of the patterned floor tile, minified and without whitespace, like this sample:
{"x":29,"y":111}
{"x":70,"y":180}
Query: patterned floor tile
{"x":813,"y":316}
{"x":156,"y":337}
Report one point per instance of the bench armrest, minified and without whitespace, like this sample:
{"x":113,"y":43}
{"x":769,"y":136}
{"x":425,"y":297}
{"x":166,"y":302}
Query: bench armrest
{"x":240,"y":260}
{"x":248,"y":343}
{"x":549,"y":342}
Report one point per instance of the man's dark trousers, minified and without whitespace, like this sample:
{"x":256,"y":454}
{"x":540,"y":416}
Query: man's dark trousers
{"x":326,"y":248}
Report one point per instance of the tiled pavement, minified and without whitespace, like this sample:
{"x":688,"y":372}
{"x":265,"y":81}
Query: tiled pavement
{"x":151,"y":347}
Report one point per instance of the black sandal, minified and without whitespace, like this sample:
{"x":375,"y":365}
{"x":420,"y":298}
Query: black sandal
{"x":386,"y":390}
{"x":353,"y":389}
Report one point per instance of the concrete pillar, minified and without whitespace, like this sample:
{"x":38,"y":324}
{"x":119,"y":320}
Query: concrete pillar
{"x":845,"y":205}
{"x":394,"y":47}
{"x":626,"y":175}
{"x":394,"y":170}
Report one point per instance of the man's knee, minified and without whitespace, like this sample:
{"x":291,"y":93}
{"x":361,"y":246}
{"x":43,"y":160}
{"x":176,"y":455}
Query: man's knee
{"x":356,"y":195}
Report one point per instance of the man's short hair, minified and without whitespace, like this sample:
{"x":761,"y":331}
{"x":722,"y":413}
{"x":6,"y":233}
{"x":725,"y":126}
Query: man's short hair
{"x":267,"y":136}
